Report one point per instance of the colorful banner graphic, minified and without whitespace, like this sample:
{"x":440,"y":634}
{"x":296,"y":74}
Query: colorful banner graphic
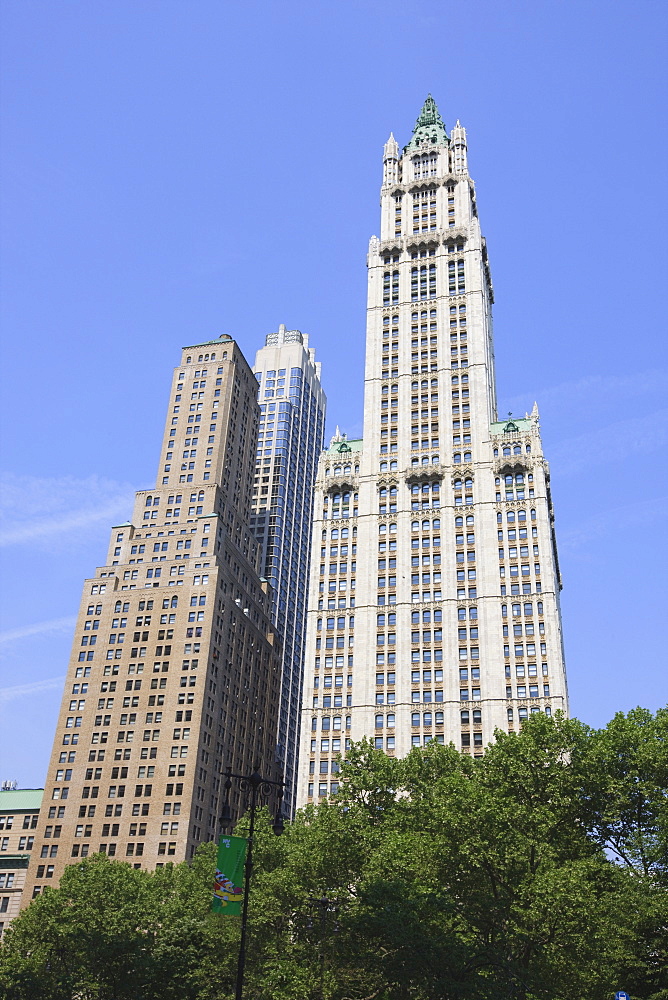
{"x":228,"y":891}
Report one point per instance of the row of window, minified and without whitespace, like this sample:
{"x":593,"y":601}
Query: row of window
{"x":340,"y":622}
{"x":29,"y":822}
{"x":532,"y":688}
{"x":341,"y":470}
{"x":25,"y":843}
{"x":334,"y":722}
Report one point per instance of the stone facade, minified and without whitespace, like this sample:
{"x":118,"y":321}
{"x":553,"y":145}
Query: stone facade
{"x":434,"y":597}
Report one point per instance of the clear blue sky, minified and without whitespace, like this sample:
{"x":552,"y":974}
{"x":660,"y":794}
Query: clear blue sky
{"x":175,"y":170}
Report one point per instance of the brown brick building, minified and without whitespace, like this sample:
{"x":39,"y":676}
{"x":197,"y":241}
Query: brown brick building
{"x":175,"y":666}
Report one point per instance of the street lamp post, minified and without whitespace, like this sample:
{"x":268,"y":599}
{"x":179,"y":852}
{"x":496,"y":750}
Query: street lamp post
{"x":326,"y":907}
{"x":258,"y":787}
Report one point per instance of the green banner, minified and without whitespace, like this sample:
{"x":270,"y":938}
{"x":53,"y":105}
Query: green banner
{"x":228,"y":889}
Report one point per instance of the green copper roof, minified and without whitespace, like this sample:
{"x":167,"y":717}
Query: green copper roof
{"x":514,"y":425}
{"x":429,"y":128}
{"x":223,"y":339}
{"x":21,"y":800}
{"x":344,"y":447}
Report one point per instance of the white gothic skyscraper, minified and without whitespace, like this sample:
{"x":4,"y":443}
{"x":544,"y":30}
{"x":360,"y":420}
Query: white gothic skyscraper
{"x":434,"y":595}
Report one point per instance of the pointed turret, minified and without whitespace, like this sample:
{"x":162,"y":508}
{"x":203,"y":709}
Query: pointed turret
{"x":391,"y":148}
{"x":390,"y":161}
{"x":458,"y":146}
{"x":429,"y":128}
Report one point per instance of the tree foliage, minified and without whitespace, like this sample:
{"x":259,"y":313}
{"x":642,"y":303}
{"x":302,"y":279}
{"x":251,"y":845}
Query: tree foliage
{"x":537,"y":871}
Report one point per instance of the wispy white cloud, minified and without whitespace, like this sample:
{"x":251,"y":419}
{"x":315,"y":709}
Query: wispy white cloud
{"x":617,"y":442}
{"x":615,"y":521}
{"x":45,"y":510}
{"x":54,"y":625}
{"x":37,"y":687}
{"x":592,"y":390}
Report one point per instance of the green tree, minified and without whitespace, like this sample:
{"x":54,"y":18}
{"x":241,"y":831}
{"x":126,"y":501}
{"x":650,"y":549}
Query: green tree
{"x":467,"y":878}
{"x":112,"y":932}
{"x":628,"y":770}
{"x":537,"y":871}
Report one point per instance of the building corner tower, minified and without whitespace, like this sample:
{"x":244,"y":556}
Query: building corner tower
{"x":175,"y":667}
{"x":434,"y":597}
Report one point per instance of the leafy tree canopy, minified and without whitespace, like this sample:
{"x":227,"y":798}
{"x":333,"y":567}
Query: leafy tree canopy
{"x":537,"y":872}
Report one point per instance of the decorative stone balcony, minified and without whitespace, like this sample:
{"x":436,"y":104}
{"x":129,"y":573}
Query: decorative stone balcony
{"x":513,"y":462}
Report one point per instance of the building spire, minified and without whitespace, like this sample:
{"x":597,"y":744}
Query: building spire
{"x":429,"y":127}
